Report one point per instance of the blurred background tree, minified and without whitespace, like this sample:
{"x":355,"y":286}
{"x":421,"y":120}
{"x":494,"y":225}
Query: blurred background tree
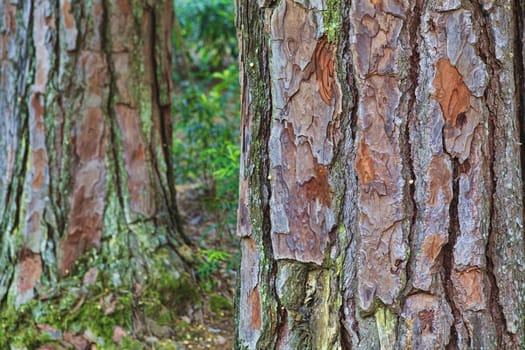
{"x":151,"y":302}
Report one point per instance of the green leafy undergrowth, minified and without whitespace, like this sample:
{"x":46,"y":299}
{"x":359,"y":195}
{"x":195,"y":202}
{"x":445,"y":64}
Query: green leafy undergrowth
{"x":206,"y":110}
{"x":206,"y":144}
{"x":220,"y":304}
{"x":211,"y":263}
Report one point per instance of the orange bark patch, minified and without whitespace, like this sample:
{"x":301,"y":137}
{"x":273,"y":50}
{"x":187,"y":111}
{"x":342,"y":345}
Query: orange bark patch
{"x":86,"y":234}
{"x":325,"y":69}
{"x":39,"y":160}
{"x":376,"y":2}
{"x":38,"y":180}
{"x":451,"y":92}
{"x":68,"y":18}
{"x":440,"y":176}
{"x":251,"y":245}
{"x":124,"y":7}
{"x":432,"y":246}
{"x":426,"y":319}
{"x":472,"y":284}
{"x":318,"y":187}
{"x":134,"y":159}
{"x":255,"y":302}
{"x":85,"y":218}
{"x":91,"y":134}
{"x":30,"y":270}
{"x":38,"y":108}
{"x":308,"y":188}
{"x":10,"y":16}
{"x":364,"y":164}
{"x":139,"y":153}
{"x":95,"y":67}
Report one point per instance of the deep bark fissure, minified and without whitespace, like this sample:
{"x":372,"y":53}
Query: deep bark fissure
{"x":29,"y":67}
{"x":54,"y":190}
{"x":495,"y":308}
{"x":20,"y":175}
{"x":165,"y":130}
{"x":413,"y":75}
{"x":266,"y":193}
{"x":54,"y":193}
{"x":349,"y":101}
{"x":519,"y":76}
{"x":447,"y":254}
{"x":113,"y":123}
{"x":258,"y":117}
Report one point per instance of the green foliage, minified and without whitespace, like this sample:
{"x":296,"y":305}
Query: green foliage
{"x":132,"y":344}
{"x":206,"y":130}
{"x":206,"y":146}
{"x":11,"y":332}
{"x":218,"y":303}
{"x":208,"y":29}
{"x":212,"y":261}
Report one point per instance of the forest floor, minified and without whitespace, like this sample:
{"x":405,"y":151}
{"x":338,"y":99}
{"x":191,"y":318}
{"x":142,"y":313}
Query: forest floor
{"x":210,"y":326}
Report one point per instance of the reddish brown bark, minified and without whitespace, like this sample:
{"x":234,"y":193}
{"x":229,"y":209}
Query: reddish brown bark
{"x":85,"y":139}
{"x":381,"y":197}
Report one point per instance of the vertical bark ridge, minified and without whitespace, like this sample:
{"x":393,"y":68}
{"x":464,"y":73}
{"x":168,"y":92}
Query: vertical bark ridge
{"x":162,"y":93}
{"x":507,"y":276}
{"x":54,"y":121}
{"x":160,"y":89}
{"x":258,"y":326}
{"x":86,"y":132}
{"x":487,"y":54}
{"x":16,"y":26}
{"x":381,"y":220}
{"x":413,"y":25}
{"x":519,"y":66}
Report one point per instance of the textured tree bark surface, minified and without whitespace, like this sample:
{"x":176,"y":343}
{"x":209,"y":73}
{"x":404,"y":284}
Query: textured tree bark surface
{"x":84,"y":140}
{"x":381,"y":194}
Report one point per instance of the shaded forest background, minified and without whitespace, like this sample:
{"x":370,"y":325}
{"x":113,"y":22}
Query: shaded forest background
{"x":84,"y":312}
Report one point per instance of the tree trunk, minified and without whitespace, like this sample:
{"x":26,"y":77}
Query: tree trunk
{"x":381,"y":184}
{"x":85,"y":141}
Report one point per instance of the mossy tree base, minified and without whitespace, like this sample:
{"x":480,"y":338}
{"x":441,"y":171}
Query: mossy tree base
{"x":85,"y":163}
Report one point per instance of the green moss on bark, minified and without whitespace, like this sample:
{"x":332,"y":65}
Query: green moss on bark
{"x":98,"y":307}
{"x":332,"y":20}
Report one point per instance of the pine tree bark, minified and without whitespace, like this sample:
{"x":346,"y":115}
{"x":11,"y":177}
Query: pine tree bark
{"x":85,"y":137}
{"x":381,"y":193}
